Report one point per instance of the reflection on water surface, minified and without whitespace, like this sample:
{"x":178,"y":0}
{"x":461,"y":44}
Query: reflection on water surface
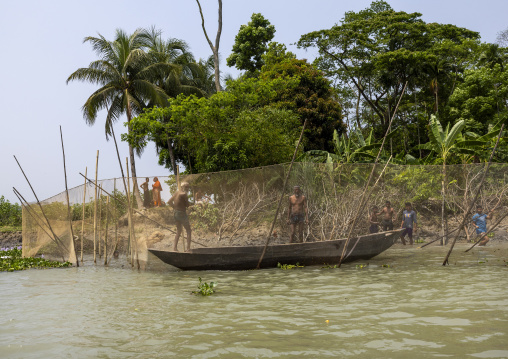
{"x":411,"y":307}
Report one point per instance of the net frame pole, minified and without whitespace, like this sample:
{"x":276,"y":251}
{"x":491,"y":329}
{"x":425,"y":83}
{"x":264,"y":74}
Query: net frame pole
{"x":95,"y":211}
{"x":282,"y":195}
{"x":445,"y":262}
{"x":362,"y":202}
{"x":69,"y":217}
{"x":36,"y":218}
{"x":106,"y":233}
{"x":83,"y":220}
{"x":57,"y":239}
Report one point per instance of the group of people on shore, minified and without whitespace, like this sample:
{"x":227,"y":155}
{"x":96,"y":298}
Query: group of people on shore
{"x":298,"y":215}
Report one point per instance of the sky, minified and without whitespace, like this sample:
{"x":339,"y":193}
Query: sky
{"x":43,"y":45}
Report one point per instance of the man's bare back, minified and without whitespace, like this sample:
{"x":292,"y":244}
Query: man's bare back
{"x":180,"y":201}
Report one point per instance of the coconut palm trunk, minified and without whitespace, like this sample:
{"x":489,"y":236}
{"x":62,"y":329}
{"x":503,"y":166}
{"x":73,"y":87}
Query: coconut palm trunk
{"x":137,"y":195}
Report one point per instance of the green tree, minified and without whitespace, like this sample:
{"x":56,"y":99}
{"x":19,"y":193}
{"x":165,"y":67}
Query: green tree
{"x":378,"y":50}
{"x":125,"y":73}
{"x":311,"y":96}
{"x":10,"y":214}
{"x":251,"y":43}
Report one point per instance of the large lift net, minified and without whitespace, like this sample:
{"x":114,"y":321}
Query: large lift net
{"x":237,"y":208}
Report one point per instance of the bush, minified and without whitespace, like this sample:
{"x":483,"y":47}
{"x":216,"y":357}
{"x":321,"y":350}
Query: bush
{"x":10,"y":214}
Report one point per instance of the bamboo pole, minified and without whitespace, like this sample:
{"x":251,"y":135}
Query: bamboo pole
{"x":69,"y":217}
{"x":142,"y":214}
{"x":95,"y":211}
{"x":130,"y":245}
{"x":281,"y":196}
{"x":83,"y":221}
{"x":362,"y":201}
{"x":100,"y":222}
{"x":129,"y":212}
{"x":134,"y":244}
{"x":36,"y":218}
{"x":57,"y":239}
{"x":445,"y":262}
{"x":106,"y":233}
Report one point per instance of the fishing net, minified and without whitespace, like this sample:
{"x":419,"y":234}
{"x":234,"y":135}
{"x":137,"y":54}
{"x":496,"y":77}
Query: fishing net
{"x":237,"y":208}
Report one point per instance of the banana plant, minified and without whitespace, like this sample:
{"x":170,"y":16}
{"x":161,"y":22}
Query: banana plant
{"x":353,"y":148}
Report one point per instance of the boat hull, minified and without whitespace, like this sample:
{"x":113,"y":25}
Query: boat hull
{"x":307,"y":254}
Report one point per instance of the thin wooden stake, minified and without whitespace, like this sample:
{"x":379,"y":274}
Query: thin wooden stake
{"x":106,"y":233}
{"x":362,"y":201}
{"x":57,"y":239}
{"x":36,"y":218}
{"x":281,"y":196}
{"x":445,"y":262}
{"x":83,"y":221}
{"x":95,"y":211}
{"x":69,"y":217}
{"x":129,"y":212}
{"x":100,"y":221}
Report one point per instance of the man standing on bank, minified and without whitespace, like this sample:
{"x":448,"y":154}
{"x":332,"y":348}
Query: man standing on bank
{"x":387,"y":217}
{"x":180,"y":201}
{"x":297,"y":213}
{"x":408,"y":223}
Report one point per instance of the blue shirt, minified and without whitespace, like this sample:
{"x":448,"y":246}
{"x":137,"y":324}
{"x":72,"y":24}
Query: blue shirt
{"x":481,"y":221}
{"x":409,"y":218}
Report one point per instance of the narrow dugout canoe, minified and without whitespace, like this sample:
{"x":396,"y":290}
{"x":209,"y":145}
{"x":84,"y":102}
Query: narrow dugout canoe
{"x":309,"y":253}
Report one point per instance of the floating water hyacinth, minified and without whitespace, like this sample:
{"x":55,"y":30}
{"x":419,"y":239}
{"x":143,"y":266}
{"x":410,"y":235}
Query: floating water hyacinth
{"x":11,"y":260}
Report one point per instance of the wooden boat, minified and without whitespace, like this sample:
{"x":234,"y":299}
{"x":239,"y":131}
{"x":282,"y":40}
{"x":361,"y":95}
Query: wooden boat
{"x":308,"y":253}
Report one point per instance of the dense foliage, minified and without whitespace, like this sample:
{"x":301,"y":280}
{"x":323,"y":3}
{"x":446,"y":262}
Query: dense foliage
{"x":374,"y":65}
{"x":10,"y":214}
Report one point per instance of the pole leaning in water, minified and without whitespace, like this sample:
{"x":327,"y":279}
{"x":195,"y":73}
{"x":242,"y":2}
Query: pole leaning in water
{"x":72,"y":242}
{"x":445,"y":262}
{"x":282,"y":195}
{"x":364,"y":198}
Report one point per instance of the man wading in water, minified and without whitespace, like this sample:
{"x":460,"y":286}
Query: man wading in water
{"x":387,"y":219}
{"x":297,"y":213}
{"x":180,"y":201}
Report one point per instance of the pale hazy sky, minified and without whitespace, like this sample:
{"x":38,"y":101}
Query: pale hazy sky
{"x":42,"y":46}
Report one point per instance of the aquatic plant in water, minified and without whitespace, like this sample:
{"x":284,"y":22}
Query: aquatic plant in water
{"x":11,"y":260}
{"x":289,"y":266}
{"x":204,"y":288}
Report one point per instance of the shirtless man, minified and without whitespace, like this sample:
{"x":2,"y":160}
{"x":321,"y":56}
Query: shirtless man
{"x":180,"y":201}
{"x":387,"y":217}
{"x":373,"y":220}
{"x":297,"y":213}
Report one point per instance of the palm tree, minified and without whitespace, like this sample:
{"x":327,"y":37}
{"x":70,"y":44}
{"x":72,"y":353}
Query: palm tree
{"x":125,"y":73}
{"x":186,"y":77}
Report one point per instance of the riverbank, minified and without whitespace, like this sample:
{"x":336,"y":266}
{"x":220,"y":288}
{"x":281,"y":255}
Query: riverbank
{"x":10,"y":239}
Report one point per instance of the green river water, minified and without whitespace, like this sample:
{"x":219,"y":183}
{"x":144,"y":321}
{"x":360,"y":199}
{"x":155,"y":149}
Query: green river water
{"x":415,"y":308}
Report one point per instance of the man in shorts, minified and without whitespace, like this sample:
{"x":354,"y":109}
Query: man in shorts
{"x":480,"y":222}
{"x":180,"y":201}
{"x":408,"y":223}
{"x":387,"y":217}
{"x":373,"y":220}
{"x":298,"y":213}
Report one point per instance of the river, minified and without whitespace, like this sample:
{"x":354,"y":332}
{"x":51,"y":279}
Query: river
{"x":403,"y":304}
